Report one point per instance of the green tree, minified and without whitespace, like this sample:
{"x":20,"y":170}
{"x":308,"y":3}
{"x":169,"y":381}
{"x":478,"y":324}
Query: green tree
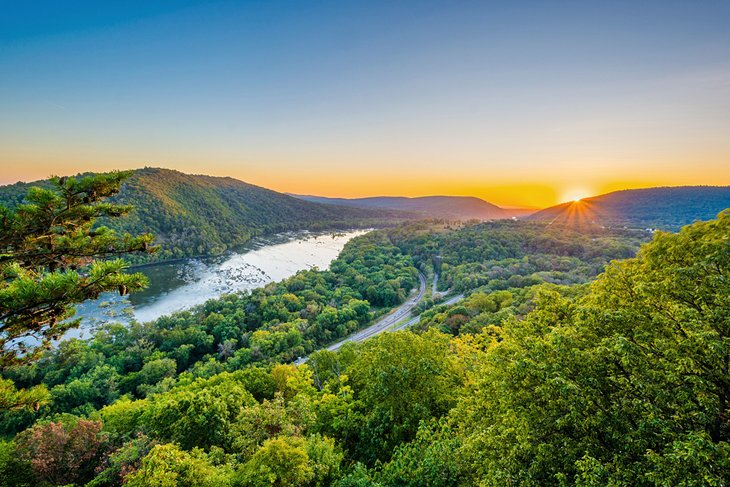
{"x":291,"y":460}
{"x":400,"y":379}
{"x":627,"y":385}
{"x":11,"y":398}
{"x":200,"y":414}
{"x":48,"y":248}
{"x":169,"y":466}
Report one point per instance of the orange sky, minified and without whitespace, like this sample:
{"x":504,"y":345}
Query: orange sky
{"x":520,"y":103}
{"x":536,"y":189}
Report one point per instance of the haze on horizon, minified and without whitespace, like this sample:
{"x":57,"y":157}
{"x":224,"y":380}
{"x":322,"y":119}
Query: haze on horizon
{"x":524,"y":103}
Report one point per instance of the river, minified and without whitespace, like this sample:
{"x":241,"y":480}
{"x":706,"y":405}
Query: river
{"x":179,"y":285}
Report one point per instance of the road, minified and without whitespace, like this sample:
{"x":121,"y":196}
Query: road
{"x":416,"y":319}
{"x":389,"y":321}
{"x":383,"y":323}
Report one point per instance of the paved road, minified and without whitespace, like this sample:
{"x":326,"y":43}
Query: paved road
{"x":416,"y":319}
{"x":388,"y":320}
{"x":383,"y":323}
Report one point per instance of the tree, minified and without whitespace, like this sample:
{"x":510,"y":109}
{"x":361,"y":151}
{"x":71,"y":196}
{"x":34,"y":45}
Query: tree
{"x":124,"y":461}
{"x":400,"y":379}
{"x":12,"y":398}
{"x":48,"y":252}
{"x":627,"y":385}
{"x":169,"y":466}
{"x":292,"y":460}
{"x":62,"y":452}
{"x":200,"y":414}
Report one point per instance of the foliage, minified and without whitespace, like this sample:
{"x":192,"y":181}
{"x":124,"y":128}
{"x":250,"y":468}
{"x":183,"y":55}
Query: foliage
{"x":503,"y":255}
{"x":629,"y":384}
{"x":62,"y":452}
{"x":398,"y":380}
{"x":13,"y":399}
{"x":200,"y":215}
{"x":200,"y":414}
{"x":122,"y":462}
{"x":623,"y":381}
{"x":47,"y":251}
{"x":289,"y":460}
{"x":169,"y":466}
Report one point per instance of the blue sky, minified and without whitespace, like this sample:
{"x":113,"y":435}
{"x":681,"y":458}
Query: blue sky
{"x":539,"y":98}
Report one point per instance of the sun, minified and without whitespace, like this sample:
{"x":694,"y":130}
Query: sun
{"x":574,"y":195}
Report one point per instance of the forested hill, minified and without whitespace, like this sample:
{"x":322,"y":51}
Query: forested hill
{"x":664,"y":208}
{"x":192,"y":214}
{"x":447,"y":207}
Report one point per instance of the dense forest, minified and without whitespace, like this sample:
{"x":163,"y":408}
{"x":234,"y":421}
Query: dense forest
{"x":200,"y":215}
{"x":572,"y":360}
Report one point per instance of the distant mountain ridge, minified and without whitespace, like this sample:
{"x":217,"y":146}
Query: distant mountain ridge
{"x":666,"y":208}
{"x":447,"y":207}
{"x":195,"y":214}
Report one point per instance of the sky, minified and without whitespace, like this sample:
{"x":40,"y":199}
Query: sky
{"x":522,"y":103}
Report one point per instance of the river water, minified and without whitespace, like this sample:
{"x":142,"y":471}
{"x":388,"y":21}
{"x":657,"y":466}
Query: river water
{"x":180,"y":285}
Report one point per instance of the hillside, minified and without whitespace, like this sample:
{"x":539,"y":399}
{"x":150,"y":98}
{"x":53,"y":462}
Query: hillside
{"x":448,"y":207}
{"x":192,"y":214}
{"x":664,"y":208}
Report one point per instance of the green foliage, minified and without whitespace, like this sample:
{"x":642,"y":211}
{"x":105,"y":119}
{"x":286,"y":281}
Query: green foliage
{"x":427,"y":460}
{"x":399,"y":379}
{"x":122,"y":462}
{"x":287,"y":460}
{"x":14,"y":399}
{"x":507,"y":254}
{"x":627,"y":385}
{"x":47,"y":251}
{"x":200,"y":414}
{"x":623,"y":381}
{"x":169,"y":466}
{"x":14,"y":472}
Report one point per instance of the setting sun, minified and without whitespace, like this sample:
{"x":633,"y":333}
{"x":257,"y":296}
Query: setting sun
{"x":575,"y":195}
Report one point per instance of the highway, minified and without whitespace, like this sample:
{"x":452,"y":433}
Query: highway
{"x":416,"y":319}
{"x":389,"y":321}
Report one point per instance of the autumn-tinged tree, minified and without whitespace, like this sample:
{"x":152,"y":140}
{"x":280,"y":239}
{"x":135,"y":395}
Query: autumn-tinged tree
{"x":49,"y":248}
{"x":62,"y":452}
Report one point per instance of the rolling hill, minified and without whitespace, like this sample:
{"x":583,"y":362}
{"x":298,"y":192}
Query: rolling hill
{"x":447,"y":207}
{"x":193,"y":215}
{"x":666,"y":208}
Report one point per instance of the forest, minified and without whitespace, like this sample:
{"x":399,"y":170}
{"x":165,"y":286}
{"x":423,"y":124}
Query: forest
{"x":192,"y":215}
{"x":578,"y":357}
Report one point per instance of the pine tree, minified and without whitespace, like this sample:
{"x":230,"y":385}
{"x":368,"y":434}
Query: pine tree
{"x":53,"y":255}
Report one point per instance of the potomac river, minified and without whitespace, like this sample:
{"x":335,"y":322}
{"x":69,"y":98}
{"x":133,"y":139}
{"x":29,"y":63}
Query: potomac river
{"x":181,"y":284}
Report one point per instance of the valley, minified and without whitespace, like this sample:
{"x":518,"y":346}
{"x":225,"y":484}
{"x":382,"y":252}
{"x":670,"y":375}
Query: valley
{"x":372,"y":347}
{"x":181,"y":284}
